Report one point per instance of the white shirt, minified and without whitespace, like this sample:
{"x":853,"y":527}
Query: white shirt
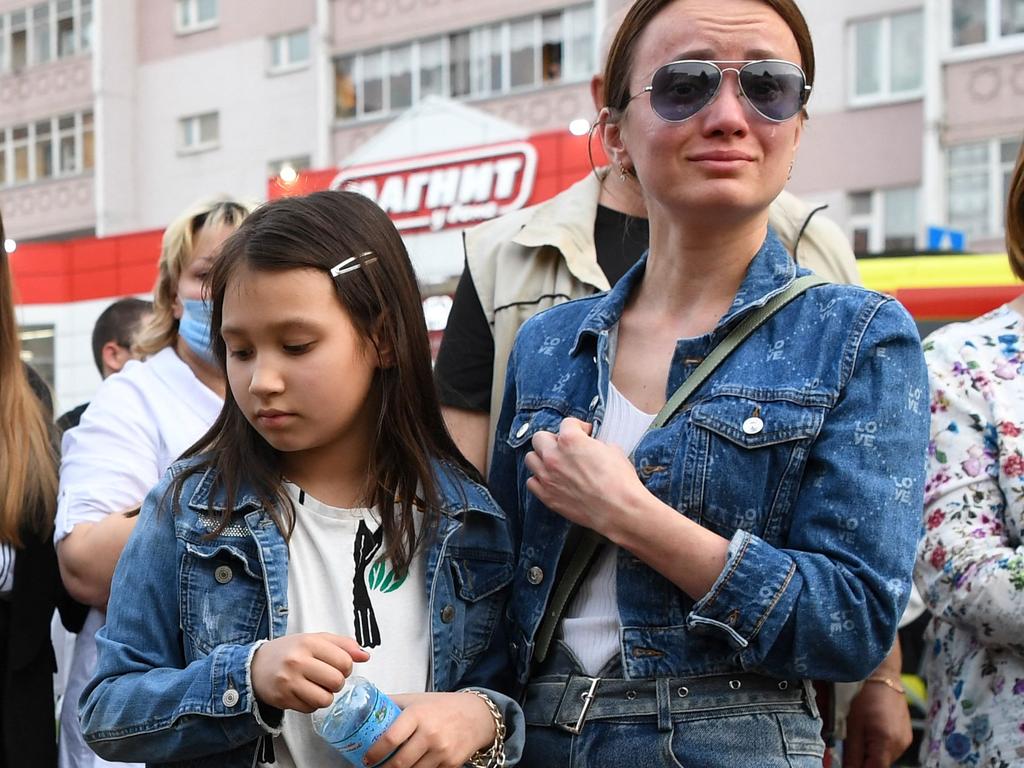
{"x":139,"y":422}
{"x":389,"y":618}
{"x":591,"y":624}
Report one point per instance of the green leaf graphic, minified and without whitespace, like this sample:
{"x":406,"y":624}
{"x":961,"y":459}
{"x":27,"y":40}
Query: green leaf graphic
{"x":396,"y":583}
{"x":377,"y":574}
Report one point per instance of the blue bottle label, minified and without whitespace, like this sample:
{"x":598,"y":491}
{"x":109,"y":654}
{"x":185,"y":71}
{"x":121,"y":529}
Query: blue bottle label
{"x":354,"y":746}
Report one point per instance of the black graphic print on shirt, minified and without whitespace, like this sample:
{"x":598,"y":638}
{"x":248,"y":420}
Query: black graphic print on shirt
{"x":366,"y":547}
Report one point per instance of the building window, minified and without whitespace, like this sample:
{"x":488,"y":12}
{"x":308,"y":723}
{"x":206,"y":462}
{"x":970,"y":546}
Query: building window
{"x":400,"y":76}
{"x":482,"y":61}
{"x":978,"y":184}
{"x":44,"y":150}
{"x":459,"y":65}
{"x":50,"y":148}
{"x":884,"y":220}
{"x":199,"y":132}
{"x":88,"y":141}
{"x":344,"y":87}
{"x":41,"y":33}
{"x":432,"y":68}
{"x":55,"y":29}
{"x":523,"y":53}
{"x":551,"y":47}
{"x":888,"y":57}
{"x":195,"y":15}
{"x":289,"y":51}
{"x":980,"y":22}
{"x":18,"y":26}
{"x":373,"y":83}
{"x":37,"y":349}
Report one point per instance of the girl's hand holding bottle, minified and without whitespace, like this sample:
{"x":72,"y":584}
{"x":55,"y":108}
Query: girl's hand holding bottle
{"x":304,"y":671}
{"x":435,"y":730}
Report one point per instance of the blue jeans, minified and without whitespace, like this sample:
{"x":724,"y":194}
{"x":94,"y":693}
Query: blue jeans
{"x":730,"y":721}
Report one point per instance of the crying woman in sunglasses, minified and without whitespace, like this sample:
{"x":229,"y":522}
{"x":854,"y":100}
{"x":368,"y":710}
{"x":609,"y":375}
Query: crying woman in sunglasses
{"x":752,"y":501}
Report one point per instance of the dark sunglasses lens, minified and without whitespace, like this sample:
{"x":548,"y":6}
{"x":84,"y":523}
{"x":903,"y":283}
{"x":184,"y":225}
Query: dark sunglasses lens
{"x":773,"y":88}
{"x":681,"y":89}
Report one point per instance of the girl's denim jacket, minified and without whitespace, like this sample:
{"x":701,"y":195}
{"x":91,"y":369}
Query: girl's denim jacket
{"x":187,"y":612}
{"x":805,"y":449}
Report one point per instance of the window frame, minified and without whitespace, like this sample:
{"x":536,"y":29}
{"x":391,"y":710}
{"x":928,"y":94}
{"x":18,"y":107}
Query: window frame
{"x":194,"y":25}
{"x":995,"y":170}
{"x":281,"y":43}
{"x":199,"y":146}
{"x":885,"y":94}
{"x":874,"y":220}
{"x":995,"y":42}
{"x":80,"y":40}
{"x":56,"y":135}
{"x":481,"y":37}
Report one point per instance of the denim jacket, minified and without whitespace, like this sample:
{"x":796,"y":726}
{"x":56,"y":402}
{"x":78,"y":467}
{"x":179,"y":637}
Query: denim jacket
{"x":187,"y":612}
{"x":805,"y":449}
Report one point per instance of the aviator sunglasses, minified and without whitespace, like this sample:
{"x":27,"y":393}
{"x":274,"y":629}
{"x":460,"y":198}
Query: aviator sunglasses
{"x":776,"y":89}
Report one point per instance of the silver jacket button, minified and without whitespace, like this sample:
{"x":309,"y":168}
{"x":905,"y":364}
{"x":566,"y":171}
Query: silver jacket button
{"x":753,"y":425}
{"x":535,"y":575}
{"x":222,"y":574}
{"x":230,"y":697}
{"x":523,"y":429}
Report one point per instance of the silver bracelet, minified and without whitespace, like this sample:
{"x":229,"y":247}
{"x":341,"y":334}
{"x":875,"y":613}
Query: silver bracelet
{"x":494,"y":755}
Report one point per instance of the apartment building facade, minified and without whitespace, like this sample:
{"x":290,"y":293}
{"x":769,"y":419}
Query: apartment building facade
{"x":115,"y":114}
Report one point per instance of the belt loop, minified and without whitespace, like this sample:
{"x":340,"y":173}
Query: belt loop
{"x":661,"y":687}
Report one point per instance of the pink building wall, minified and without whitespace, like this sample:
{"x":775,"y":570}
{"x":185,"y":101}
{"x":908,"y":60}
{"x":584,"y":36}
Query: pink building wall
{"x":31,"y":209}
{"x":359,"y":24}
{"x":984,"y":99}
{"x":861,"y":149}
{"x":46,"y":90}
{"x":239,"y":20}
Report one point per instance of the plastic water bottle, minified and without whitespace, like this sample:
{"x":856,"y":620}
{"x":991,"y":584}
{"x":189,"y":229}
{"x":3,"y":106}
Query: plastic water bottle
{"x":359,"y":716}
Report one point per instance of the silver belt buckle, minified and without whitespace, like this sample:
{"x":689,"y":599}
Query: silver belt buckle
{"x":588,"y":699}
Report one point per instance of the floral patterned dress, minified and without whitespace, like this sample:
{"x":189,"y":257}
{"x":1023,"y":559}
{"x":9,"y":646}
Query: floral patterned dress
{"x":970,"y":565}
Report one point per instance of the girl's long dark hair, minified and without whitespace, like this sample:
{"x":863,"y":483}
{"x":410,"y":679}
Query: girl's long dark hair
{"x":383,"y":300}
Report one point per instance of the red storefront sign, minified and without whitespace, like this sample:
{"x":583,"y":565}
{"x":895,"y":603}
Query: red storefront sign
{"x":450,"y":190}
{"x":455,"y":190}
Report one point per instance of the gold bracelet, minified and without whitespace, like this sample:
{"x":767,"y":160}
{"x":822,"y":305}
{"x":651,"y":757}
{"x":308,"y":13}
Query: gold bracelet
{"x":494,"y":755}
{"x":888,"y":682}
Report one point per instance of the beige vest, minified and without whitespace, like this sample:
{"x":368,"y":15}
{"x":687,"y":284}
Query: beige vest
{"x":532,"y":259}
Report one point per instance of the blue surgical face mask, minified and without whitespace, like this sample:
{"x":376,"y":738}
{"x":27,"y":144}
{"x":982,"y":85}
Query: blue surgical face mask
{"x":194,"y":327}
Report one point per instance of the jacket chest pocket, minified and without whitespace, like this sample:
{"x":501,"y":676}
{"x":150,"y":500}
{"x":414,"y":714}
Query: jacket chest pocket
{"x":749,"y":456}
{"x":481,"y":581}
{"x":223,"y":596}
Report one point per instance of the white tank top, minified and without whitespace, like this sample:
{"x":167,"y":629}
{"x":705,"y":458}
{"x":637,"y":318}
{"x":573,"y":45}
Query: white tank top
{"x":591,"y":624}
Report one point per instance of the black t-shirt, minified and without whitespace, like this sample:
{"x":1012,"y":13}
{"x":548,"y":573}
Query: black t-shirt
{"x":465,"y":361}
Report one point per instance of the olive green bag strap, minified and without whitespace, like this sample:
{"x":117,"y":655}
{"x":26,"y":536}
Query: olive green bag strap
{"x":588,"y":542}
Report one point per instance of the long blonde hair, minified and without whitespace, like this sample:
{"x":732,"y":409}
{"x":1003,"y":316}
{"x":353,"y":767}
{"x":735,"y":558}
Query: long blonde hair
{"x":28,"y":458}
{"x":175,"y":254}
{"x":1015,"y":218}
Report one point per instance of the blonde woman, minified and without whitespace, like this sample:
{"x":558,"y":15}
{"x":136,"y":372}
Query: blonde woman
{"x":970,"y":563}
{"x":140,"y":421}
{"x":30,"y":585}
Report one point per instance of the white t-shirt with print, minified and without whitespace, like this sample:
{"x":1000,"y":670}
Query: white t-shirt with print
{"x":336,"y":583}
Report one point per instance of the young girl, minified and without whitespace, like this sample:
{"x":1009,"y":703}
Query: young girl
{"x":325,"y":520}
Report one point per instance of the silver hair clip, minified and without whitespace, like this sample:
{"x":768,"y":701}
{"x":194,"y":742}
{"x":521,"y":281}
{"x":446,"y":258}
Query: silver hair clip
{"x":352,"y":263}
